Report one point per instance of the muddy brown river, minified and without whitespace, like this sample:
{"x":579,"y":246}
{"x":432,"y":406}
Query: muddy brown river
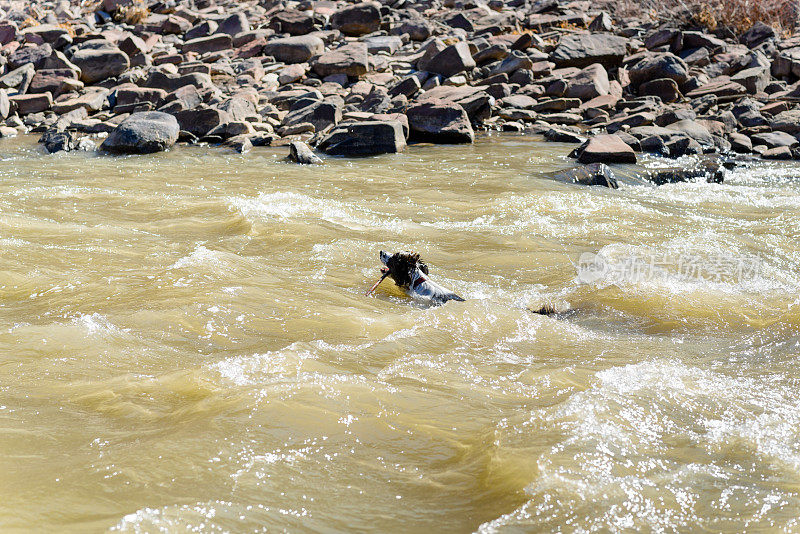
{"x":185,"y":345}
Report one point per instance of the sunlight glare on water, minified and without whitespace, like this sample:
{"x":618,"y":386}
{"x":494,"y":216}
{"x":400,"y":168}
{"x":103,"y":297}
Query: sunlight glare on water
{"x":187,"y":346}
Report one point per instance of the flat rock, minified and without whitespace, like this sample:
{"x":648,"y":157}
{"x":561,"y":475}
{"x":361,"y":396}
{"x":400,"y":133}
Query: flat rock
{"x":350,"y":59}
{"x":605,"y":148}
{"x":581,"y":50}
{"x":298,"y":49}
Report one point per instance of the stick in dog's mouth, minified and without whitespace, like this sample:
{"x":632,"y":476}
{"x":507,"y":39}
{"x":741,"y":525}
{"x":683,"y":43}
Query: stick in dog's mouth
{"x":385,"y":271}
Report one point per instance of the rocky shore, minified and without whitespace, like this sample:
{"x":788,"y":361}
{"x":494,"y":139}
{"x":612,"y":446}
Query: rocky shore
{"x":354,"y":79}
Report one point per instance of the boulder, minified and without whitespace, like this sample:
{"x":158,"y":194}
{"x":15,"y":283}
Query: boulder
{"x":143,"y":133}
{"x":214,"y":43}
{"x":659,"y":66}
{"x":589,"y":83}
{"x":199,"y":122}
{"x":694,"y":130}
{"x":605,"y":148}
{"x":708,"y":171}
{"x":754,"y":79}
{"x":358,"y":19}
{"x":101,"y":63}
{"x":26,"y":104}
{"x":364,"y":138}
{"x":773,"y":139}
{"x":757,"y":34}
{"x":292,"y":21}
{"x":57,"y":141}
{"x":581,"y":50}
{"x":299,"y":152}
{"x":350,"y":59}
{"x":439,"y":121}
{"x":234,"y":24}
{"x":787,"y":121}
{"x":664,"y":88}
{"x":452,"y":60}
{"x":321,"y":114}
{"x":297,"y":49}
{"x":35,"y":55}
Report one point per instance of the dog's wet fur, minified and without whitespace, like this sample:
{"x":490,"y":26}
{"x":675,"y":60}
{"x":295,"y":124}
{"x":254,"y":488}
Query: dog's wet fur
{"x":402,"y":265}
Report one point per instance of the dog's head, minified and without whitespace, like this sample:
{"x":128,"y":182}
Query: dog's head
{"x":401,"y":266}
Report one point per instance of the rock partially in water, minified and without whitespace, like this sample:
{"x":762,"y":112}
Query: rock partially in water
{"x":592,"y":174}
{"x":438,"y":121}
{"x":57,"y":141}
{"x":364,"y":139}
{"x":606,"y":148}
{"x":143,"y":133}
{"x":299,"y":152}
{"x":711,"y":172}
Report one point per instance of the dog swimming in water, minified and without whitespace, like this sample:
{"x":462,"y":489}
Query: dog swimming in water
{"x":410,"y":273}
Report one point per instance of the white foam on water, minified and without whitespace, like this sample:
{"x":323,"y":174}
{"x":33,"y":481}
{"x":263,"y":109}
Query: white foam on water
{"x":284,"y":205}
{"x":646,"y":443}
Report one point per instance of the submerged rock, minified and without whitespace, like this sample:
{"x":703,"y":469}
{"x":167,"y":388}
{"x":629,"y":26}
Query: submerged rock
{"x":592,"y":174}
{"x":143,"y":133}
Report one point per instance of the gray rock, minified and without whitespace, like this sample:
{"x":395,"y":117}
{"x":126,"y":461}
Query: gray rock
{"x":297,"y":49}
{"x":364,"y":139}
{"x":439,"y":121}
{"x":659,"y":66}
{"x":452,"y":60}
{"x":199,"y":122}
{"x":299,"y":152}
{"x":99,"y":64}
{"x":143,"y":133}
{"x":358,"y":19}
{"x":605,"y":148}
{"x":235,"y":24}
{"x":581,"y":50}
{"x":350,"y":59}
{"x":214,"y":43}
{"x":321,"y":114}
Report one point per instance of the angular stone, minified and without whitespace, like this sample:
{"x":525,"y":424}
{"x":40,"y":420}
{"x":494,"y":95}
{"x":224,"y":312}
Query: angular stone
{"x":214,"y":43}
{"x":452,"y":60}
{"x":720,"y":88}
{"x":91,"y":101}
{"x":199,"y":122}
{"x":664,"y":88}
{"x":143,"y":133}
{"x":292,"y":21}
{"x":754,"y":79}
{"x":605,"y":148}
{"x":132,"y":95}
{"x":234,"y":24}
{"x":581,"y":50}
{"x":321,"y":114}
{"x":659,"y":66}
{"x":295,"y":49}
{"x":99,"y":64}
{"x":35,"y":55}
{"x":358,"y":19}
{"x":773,"y":139}
{"x":350,"y":59}
{"x":589,"y":83}
{"x":439,"y":121}
{"x":26,"y":104}
{"x":364,"y":138}
{"x":299,"y":152}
